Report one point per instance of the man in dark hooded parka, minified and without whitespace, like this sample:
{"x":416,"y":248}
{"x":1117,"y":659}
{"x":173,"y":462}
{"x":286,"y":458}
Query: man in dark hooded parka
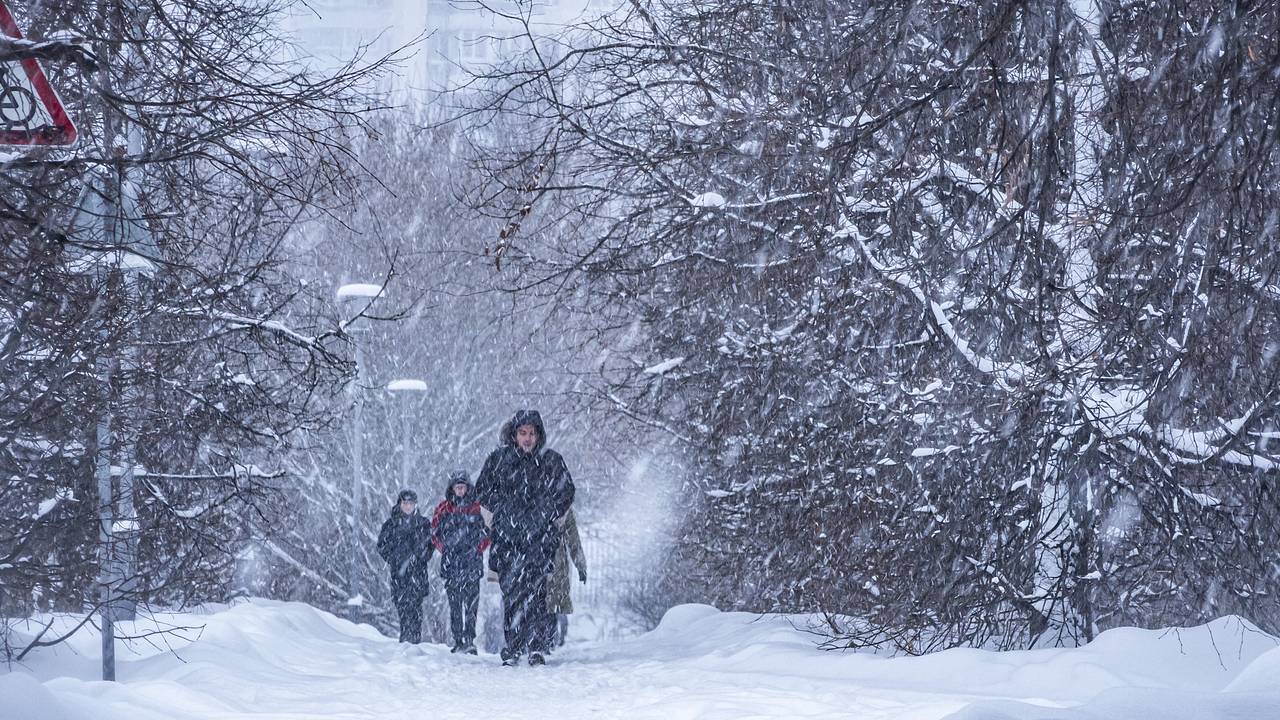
{"x":525,"y":490}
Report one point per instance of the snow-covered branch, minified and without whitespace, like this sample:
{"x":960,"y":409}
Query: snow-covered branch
{"x":1009,"y":374}
{"x":75,"y":50}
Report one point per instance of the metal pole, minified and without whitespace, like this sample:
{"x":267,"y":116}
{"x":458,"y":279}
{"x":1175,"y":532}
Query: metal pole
{"x":127,"y":528}
{"x":126,"y":531}
{"x":405,"y":435}
{"x":357,"y":488}
{"x":108,"y":571}
{"x":117,"y":572}
{"x":135,"y":238}
{"x":356,"y":599}
{"x":102,"y":468}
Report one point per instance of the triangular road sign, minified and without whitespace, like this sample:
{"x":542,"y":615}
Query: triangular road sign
{"x":30,"y":111}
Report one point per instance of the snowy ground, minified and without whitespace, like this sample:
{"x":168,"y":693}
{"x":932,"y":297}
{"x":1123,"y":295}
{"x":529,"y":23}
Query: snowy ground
{"x":278,"y":661}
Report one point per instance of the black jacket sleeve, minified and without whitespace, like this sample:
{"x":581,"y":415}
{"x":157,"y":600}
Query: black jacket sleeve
{"x":426,"y":548}
{"x":487,"y":482}
{"x":562,"y":488}
{"x":384,"y":542}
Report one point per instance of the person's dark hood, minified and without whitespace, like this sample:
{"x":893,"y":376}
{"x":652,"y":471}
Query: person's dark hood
{"x":455,"y":477}
{"x":524,"y":417}
{"x":405,"y":494}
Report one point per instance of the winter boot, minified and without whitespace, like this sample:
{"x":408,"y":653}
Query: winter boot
{"x":470,"y":649}
{"x":510,"y":657}
{"x":536,"y":658}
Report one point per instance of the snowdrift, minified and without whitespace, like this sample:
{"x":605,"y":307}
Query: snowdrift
{"x":266,"y":659}
{"x":1225,"y":669}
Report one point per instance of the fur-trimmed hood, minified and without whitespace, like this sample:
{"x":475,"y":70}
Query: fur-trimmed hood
{"x":523,"y":417}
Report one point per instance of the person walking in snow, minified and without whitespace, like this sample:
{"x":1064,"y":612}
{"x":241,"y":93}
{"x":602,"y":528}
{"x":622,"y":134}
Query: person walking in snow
{"x":559,"y":597}
{"x":525,"y":492}
{"x":405,"y":544}
{"x":459,"y":534}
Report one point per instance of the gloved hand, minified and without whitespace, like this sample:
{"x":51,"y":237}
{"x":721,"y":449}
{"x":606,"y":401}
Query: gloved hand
{"x":582,"y":576}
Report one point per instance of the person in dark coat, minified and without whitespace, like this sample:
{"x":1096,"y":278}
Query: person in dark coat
{"x":405,"y":543}
{"x":459,"y":534}
{"x":525,"y":491}
{"x":559,"y":595}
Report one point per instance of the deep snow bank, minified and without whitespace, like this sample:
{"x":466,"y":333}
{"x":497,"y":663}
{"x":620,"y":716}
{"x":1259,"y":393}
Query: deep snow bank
{"x":1206,"y":658}
{"x":178,"y":662}
{"x":1226,"y":669}
{"x":288,"y":660}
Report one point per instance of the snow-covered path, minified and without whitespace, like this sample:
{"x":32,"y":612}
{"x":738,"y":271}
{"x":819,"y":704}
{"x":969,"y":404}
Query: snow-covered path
{"x":286,"y":661}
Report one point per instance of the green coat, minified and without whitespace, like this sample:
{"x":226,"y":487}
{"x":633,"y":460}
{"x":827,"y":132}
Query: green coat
{"x":558,"y":599}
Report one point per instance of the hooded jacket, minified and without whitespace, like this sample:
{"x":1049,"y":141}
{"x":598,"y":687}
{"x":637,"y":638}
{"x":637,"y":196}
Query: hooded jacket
{"x":559,"y":595}
{"x":404,"y":542}
{"x":526,"y":492}
{"x":458,"y":532}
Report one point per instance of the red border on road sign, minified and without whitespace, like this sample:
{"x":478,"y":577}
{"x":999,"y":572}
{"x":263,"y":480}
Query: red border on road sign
{"x":63,"y":131}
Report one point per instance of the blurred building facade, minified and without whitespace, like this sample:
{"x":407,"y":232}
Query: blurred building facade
{"x":448,"y":36}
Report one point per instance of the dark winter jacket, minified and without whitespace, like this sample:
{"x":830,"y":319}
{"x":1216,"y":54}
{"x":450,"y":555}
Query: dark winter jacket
{"x":526,"y":492}
{"x":405,"y":543}
{"x":559,"y":599}
{"x":458,"y":531}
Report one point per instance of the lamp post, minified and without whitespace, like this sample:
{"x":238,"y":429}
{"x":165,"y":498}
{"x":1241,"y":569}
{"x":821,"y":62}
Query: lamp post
{"x":406,"y":388}
{"x":347,"y":294}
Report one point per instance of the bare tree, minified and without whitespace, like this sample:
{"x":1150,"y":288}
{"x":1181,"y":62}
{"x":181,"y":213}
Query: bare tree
{"x":158,"y":354}
{"x":963,"y":314}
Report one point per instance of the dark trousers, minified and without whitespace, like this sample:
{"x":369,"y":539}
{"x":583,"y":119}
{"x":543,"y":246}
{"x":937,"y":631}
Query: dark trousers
{"x":464,"y":602}
{"x":409,"y":607}
{"x":527,"y":623}
{"x":557,"y":628}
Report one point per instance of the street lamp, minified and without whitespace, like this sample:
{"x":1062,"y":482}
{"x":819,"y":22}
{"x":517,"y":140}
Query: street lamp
{"x":356,"y":292}
{"x":405,"y":388}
